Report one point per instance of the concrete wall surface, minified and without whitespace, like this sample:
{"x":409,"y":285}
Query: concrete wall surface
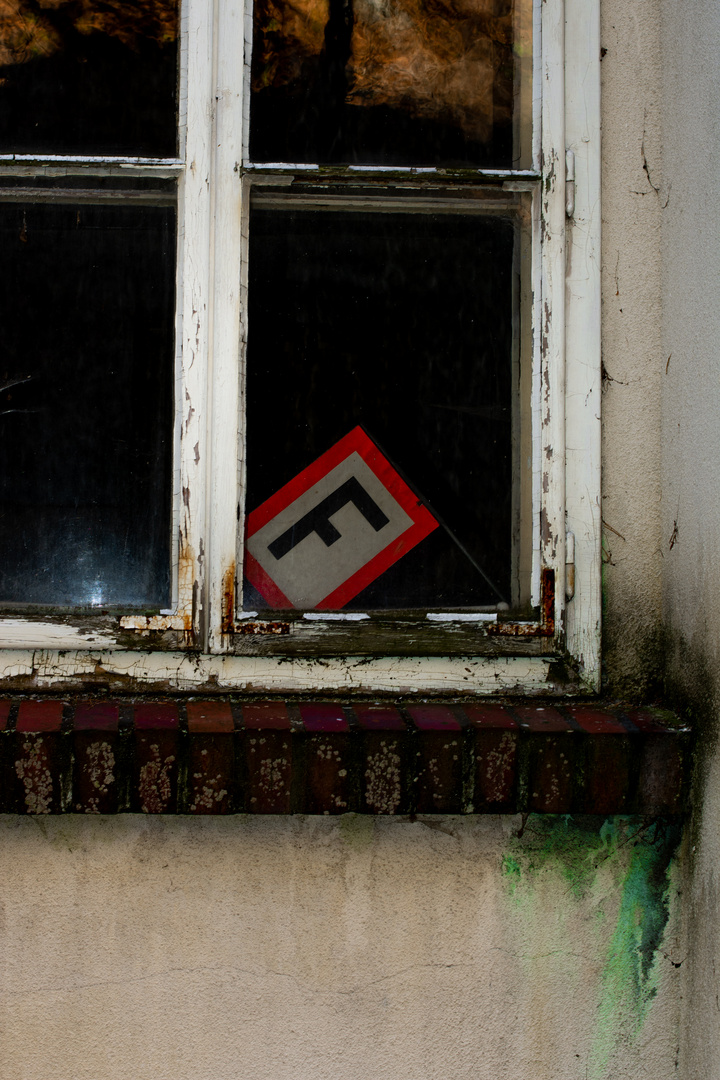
{"x":291,"y":948}
{"x":691,"y":477}
{"x":632,"y":208}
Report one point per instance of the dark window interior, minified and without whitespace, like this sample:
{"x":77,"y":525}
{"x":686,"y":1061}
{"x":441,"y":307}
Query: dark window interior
{"x":84,"y":77}
{"x":399,"y":83}
{"x":402,"y":323}
{"x":86,"y":367}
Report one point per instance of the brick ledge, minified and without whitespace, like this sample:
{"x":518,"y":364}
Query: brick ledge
{"x":282,"y":757}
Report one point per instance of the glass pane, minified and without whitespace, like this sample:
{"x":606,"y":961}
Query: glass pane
{"x":86,"y":367}
{"x":392,"y":82}
{"x":84,"y":77}
{"x":380,"y":360}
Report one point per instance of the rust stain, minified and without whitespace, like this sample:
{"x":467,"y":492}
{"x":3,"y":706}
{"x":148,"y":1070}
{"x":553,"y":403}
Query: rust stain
{"x":227,"y":602}
{"x":186,"y":587}
{"x":546,"y":626}
{"x":263,"y":628}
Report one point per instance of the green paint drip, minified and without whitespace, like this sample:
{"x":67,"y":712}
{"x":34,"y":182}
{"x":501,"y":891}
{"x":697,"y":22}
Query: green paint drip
{"x":639,"y":858}
{"x":630,"y":974}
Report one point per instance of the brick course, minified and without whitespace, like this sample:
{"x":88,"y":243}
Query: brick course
{"x":281,"y":757}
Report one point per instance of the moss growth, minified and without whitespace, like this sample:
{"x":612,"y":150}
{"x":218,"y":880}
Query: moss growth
{"x":357,"y":830}
{"x":638,"y":857}
{"x":569,"y":845}
{"x":630,"y":974}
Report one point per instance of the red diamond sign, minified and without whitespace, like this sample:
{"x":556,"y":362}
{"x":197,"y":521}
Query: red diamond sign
{"x":333,"y":529}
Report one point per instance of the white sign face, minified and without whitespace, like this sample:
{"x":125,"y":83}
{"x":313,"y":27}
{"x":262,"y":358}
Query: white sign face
{"x":319,"y":543}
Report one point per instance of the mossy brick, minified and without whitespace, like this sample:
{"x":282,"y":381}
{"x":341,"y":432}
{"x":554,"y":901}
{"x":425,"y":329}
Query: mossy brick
{"x":212,"y":717}
{"x":438,"y":759}
{"x":551,"y":745}
{"x":596,"y":721}
{"x":155,"y":788}
{"x":541,"y":719}
{"x":329,"y":759}
{"x":211,"y":773}
{"x":607,"y":774}
{"x":551,"y":774}
{"x":37,"y":716}
{"x":384,"y":788}
{"x":495,"y":735}
{"x":95,"y":768}
{"x":40,"y":760}
{"x":660,"y":774}
{"x":8,"y":780}
{"x":5,"y":707}
{"x":268,"y":751}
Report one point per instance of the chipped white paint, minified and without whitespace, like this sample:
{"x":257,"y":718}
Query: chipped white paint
{"x":194,"y":291}
{"x":335,"y":616}
{"x":552,"y":291}
{"x":26,"y":634}
{"x":221,"y":476}
{"x":255,"y":674}
{"x":462,"y":616}
{"x":582,"y":336}
{"x":146,"y":623}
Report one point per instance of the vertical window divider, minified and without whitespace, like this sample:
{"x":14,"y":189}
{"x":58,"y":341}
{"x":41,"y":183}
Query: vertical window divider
{"x":583,"y":335}
{"x":552,"y":316}
{"x":195,"y":220}
{"x":225,"y":411}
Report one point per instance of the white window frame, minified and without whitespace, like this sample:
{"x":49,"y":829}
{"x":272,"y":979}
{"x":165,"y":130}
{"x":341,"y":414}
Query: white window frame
{"x":208,"y":516}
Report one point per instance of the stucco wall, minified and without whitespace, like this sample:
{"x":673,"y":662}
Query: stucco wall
{"x":294,"y":948}
{"x":691,"y":475}
{"x":633,"y":194}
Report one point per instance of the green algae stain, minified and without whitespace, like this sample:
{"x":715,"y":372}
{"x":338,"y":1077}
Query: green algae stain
{"x":357,"y":830}
{"x":511,"y":872}
{"x":570,"y":846}
{"x":630,"y":975}
{"x":636,"y":860}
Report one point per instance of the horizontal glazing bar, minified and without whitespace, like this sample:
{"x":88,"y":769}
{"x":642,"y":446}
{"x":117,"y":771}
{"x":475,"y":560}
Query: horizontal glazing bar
{"x":163,"y":172}
{"x":271,"y":168}
{"x":382,"y":204}
{"x":70,"y":159}
{"x":74,"y":195}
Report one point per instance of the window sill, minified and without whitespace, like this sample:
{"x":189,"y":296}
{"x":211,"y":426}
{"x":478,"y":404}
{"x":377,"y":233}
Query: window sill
{"x":295,"y":756}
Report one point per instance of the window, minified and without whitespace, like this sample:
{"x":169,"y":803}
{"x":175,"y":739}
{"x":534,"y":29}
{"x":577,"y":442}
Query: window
{"x":289,"y":371}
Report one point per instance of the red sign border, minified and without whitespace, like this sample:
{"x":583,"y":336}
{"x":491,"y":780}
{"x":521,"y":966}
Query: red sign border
{"x":356,"y":441}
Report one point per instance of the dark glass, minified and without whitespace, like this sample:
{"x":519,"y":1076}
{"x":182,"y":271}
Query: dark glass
{"x":85,"y":77}
{"x":401,"y":323}
{"x":390,"y":82}
{"x":86,"y":367}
